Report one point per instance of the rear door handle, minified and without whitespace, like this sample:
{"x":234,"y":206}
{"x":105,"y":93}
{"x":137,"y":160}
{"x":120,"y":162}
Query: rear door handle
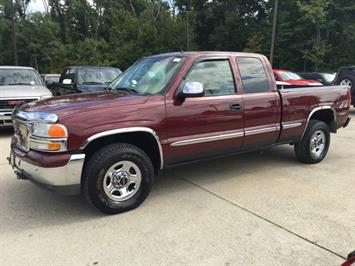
{"x":235,"y":107}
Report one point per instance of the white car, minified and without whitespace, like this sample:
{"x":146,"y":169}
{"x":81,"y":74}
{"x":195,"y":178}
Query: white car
{"x":19,"y":85}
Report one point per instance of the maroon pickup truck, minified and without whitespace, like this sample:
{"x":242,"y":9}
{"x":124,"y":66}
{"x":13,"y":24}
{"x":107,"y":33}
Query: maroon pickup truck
{"x":164,"y":111}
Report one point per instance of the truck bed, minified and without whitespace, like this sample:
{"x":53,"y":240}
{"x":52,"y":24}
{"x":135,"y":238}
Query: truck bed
{"x":298,"y":104}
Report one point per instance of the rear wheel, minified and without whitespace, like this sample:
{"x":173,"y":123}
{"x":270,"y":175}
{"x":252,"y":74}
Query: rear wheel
{"x":315,"y":143}
{"x":118,"y":178}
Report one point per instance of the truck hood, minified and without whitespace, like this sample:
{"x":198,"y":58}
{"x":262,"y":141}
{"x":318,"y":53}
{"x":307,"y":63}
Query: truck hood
{"x":23,"y":91}
{"x":64,"y":106}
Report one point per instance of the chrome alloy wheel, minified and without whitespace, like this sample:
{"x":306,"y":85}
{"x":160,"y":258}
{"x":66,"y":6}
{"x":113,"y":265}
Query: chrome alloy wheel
{"x":346,"y":82}
{"x":318,"y":142}
{"x":122,"y":181}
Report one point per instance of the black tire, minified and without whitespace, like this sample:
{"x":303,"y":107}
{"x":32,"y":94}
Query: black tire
{"x":303,"y":148}
{"x":96,"y":168}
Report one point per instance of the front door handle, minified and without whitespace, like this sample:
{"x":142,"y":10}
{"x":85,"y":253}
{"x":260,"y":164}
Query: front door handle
{"x":235,"y":107}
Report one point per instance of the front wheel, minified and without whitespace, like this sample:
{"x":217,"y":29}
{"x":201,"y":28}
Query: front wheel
{"x":315,"y":143}
{"x":118,"y":178}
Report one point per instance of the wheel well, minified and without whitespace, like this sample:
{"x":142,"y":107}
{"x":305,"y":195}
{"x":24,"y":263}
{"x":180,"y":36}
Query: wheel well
{"x":143,"y":140}
{"x":327,"y":116}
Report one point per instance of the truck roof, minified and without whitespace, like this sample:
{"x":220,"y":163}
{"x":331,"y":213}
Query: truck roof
{"x":208,"y":53}
{"x":16,"y":67}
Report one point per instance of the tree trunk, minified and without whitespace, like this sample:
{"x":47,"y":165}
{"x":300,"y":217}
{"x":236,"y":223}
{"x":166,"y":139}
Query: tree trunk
{"x":13,"y":33}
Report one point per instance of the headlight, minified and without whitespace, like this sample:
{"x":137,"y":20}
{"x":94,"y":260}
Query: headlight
{"x":48,"y":137}
{"x":45,"y":130}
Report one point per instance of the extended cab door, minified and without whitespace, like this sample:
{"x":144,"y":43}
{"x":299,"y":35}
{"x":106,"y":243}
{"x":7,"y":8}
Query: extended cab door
{"x":208,"y":125}
{"x":262,"y":106}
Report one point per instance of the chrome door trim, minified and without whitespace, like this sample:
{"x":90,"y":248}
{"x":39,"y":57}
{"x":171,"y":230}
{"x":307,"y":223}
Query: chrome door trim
{"x":207,"y":139}
{"x":288,"y":125}
{"x":128,"y":130}
{"x":251,"y":132}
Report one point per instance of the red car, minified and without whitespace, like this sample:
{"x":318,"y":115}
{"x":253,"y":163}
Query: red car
{"x":293,"y":78}
{"x":164,"y":111}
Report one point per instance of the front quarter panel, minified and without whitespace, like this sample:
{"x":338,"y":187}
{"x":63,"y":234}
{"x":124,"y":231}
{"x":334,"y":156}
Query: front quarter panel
{"x":150,"y":114}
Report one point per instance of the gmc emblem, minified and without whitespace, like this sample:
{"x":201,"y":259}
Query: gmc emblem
{"x":15,"y":102}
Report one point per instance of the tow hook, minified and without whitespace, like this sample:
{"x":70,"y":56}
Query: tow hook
{"x":20,"y":175}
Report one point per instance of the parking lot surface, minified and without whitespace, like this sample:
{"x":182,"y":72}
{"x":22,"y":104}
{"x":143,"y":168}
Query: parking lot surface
{"x":261,"y":208}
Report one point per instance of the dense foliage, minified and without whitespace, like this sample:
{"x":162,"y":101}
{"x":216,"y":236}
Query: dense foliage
{"x":311,"y":34}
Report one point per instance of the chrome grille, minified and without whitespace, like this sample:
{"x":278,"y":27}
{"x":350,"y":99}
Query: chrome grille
{"x":10,"y":104}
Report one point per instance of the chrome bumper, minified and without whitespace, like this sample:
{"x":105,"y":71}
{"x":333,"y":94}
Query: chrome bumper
{"x":5,"y":118}
{"x":64,"y":180}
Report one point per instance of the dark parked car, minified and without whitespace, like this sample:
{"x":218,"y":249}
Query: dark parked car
{"x":164,"y":111}
{"x":346,"y":77}
{"x":50,"y":78}
{"x":83,"y":79}
{"x":324,"y":78}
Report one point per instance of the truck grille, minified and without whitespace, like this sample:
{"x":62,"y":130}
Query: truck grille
{"x":10,"y":104}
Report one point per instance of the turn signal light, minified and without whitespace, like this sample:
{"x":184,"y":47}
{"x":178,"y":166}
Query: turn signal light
{"x":54,"y":146}
{"x":57,"y":131}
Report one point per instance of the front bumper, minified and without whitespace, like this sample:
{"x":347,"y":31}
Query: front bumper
{"x":5,"y":118}
{"x":64,"y":180}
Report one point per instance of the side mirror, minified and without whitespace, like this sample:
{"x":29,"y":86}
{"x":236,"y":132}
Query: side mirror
{"x":66,"y":81}
{"x":192,"y":89}
{"x":32,"y":83}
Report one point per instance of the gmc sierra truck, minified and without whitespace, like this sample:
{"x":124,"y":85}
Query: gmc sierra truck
{"x":167,"y":110}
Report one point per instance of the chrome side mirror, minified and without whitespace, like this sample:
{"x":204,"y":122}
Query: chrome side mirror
{"x":192,"y":89}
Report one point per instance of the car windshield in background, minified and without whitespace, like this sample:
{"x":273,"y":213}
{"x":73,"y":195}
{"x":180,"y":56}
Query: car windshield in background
{"x":19,"y":77}
{"x":148,"y":76}
{"x":289,"y":76}
{"x":92,"y":76}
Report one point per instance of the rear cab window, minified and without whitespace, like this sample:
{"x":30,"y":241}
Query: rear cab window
{"x":253,"y":74}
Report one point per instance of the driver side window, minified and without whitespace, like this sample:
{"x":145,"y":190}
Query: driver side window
{"x":215,"y":75}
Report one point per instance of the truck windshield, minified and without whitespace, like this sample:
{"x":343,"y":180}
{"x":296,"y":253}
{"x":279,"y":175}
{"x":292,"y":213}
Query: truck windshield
{"x":97,"y":75}
{"x":149,"y":75}
{"x":19,"y":77}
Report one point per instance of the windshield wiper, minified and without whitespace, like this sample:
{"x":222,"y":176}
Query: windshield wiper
{"x":19,"y":83}
{"x":131,"y":91}
{"x":92,"y":83}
